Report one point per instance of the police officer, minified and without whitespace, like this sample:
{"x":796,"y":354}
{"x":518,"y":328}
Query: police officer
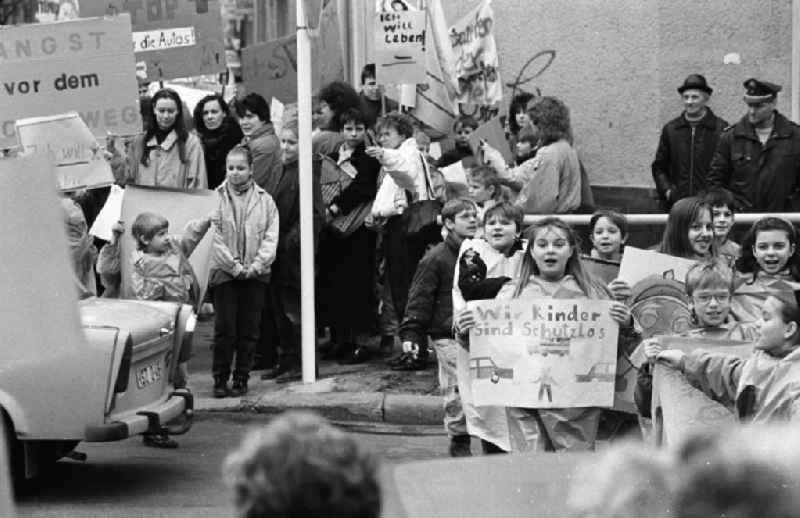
{"x":687,"y":144}
{"x":758,"y":158}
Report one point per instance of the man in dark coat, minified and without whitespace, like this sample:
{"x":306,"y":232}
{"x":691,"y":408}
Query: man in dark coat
{"x":687,"y":145}
{"x":758,"y":158}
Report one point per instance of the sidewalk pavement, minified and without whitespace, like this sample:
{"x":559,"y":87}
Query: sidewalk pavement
{"x":367,"y":392}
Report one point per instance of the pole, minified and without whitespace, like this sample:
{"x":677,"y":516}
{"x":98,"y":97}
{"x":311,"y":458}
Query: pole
{"x":795,"y":82}
{"x":309,"y":331}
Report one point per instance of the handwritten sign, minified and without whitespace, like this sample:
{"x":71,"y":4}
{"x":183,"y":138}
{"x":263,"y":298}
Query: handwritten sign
{"x":476,"y":62}
{"x":270,"y":68}
{"x":71,"y":147}
{"x":179,"y":207}
{"x":543,"y":353}
{"x":400,"y":47}
{"x":172,"y":38}
{"x":679,"y":409}
{"x":638,"y":264}
{"x":83,"y":65}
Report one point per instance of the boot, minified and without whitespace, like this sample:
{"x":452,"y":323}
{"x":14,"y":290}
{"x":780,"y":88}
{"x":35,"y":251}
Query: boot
{"x":239,"y":387}
{"x":460,"y":446}
{"x":220,"y":386}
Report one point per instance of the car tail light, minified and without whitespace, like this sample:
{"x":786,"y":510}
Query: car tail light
{"x":124,"y":373}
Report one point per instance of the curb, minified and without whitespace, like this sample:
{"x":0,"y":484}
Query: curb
{"x":376,"y":407}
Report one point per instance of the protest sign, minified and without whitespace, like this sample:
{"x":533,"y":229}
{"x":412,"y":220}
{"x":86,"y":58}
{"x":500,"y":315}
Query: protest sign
{"x":171,"y":38}
{"x":477,"y":67}
{"x":493,"y":134}
{"x":638,"y":264}
{"x":543,"y":353}
{"x":110,"y":214}
{"x":71,"y":147}
{"x":270,"y":68}
{"x":179,"y":207}
{"x":604,"y":270}
{"x":454,"y":173}
{"x":83,"y":65}
{"x":400,"y":47}
{"x":679,"y":409}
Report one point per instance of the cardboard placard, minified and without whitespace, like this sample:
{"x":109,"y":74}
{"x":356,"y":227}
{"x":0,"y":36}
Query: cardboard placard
{"x":638,"y":264}
{"x":400,"y":47}
{"x":270,"y":68}
{"x":83,"y":65}
{"x":492,"y":132}
{"x":543,"y":353}
{"x":605,"y":271}
{"x":179,"y":207}
{"x":109,"y":214}
{"x":72,"y":148}
{"x":172,"y":38}
{"x":477,"y":66}
{"x":454,"y":172}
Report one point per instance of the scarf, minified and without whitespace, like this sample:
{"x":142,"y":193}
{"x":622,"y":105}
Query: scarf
{"x":238,"y":190}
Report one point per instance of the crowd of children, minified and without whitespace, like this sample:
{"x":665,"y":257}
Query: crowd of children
{"x":482,"y":251}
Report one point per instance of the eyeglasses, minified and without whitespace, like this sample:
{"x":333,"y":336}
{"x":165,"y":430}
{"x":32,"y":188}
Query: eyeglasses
{"x":705,"y":298}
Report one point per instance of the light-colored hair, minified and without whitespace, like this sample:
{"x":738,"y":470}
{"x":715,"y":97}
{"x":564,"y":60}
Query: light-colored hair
{"x":704,"y":275}
{"x":146,"y":225}
{"x":301,"y":466}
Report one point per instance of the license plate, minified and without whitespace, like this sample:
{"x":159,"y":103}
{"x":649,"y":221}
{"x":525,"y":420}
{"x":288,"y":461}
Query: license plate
{"x":148,"y":375}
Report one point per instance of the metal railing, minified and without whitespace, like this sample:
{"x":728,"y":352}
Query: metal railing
{"x":747,"y":218}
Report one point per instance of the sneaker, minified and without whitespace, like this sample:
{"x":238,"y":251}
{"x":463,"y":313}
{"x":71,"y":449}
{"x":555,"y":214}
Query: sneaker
{"x":460,"y":446}
{"x":220,"y":387}
{"x":239,"y":388}
{"x":159,"y":441}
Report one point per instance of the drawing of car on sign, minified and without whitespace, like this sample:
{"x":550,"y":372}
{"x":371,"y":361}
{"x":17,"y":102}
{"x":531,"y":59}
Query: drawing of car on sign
{"x":484,"y":367}
{"x":555,"y":346}
{"x":602,"y":371}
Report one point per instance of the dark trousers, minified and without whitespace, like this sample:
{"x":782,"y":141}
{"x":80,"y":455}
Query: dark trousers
{"x":286,"y":304}
{"x":237,"y":321}
{"x":402,"y":257}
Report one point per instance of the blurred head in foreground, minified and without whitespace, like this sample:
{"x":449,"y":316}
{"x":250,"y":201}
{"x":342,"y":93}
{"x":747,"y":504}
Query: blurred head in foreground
{"x":301,"y":466}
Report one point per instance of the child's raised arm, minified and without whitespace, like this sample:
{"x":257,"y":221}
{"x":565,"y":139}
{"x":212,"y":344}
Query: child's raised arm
{"x":193,"y":233}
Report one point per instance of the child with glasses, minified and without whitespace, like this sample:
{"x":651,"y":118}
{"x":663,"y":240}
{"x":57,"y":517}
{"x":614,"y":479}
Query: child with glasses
{"x":710,"y":288}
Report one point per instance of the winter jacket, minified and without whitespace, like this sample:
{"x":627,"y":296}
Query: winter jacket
{"x":454,"y":155}
{"x":260,"y":233}
{"x":761,"y":178}
{"x":762,"y":387}
{"x":751,"y":292}
{"x":684,"y":155}
{"x":551,"y":180}
{"x":404,"y":170}
{"x":364,"y":186}
{"x":266,"y":153}
{"x":164,"y":168}
{"x":429,"y":310}
{"x":287,"y":201}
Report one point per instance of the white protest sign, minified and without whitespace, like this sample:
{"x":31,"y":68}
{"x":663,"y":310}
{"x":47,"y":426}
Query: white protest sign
{"x":543,"y":353}
{"x":638,"y":264}
{"x":476,"y":63}
{"x":400,"y":47}
{"x":179,"y":207}
{"x":71,"y":147}
{"x":109,"y":214}
{"x":454,"y":172}
{"x":276,"y":109}
{"x":83,"y":65}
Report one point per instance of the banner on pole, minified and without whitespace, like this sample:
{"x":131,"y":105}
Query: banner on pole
{"x":71,"y":147}
{"x":543,"y":353}
{"x":84,"y":65}
{"x":171,"y":38}
{"x":476,"y":62}
{"x":179,"y":207}
{"x":400,"y":47}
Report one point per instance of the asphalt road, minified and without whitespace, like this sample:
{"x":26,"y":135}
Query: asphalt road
{"x":126,"y":479}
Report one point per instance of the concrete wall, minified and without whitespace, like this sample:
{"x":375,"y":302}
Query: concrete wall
{"x":617,"y":63}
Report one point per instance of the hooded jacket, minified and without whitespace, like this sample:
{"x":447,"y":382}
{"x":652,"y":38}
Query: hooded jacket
{"x":260,"y":231}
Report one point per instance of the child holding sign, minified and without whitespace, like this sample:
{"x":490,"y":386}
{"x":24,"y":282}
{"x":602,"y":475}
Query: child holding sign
{"x":763,"y":387}
{"x":552,"y":268}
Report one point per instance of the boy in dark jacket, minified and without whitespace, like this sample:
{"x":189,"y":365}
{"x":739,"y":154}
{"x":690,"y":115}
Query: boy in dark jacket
{"x":429,"y":315}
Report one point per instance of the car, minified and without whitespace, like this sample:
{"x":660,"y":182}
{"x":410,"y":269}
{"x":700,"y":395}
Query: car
{"x":599,"y":371}
{"x":484,"y":367}
{"x":115,"y":384}
{"x":557,"y":346}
